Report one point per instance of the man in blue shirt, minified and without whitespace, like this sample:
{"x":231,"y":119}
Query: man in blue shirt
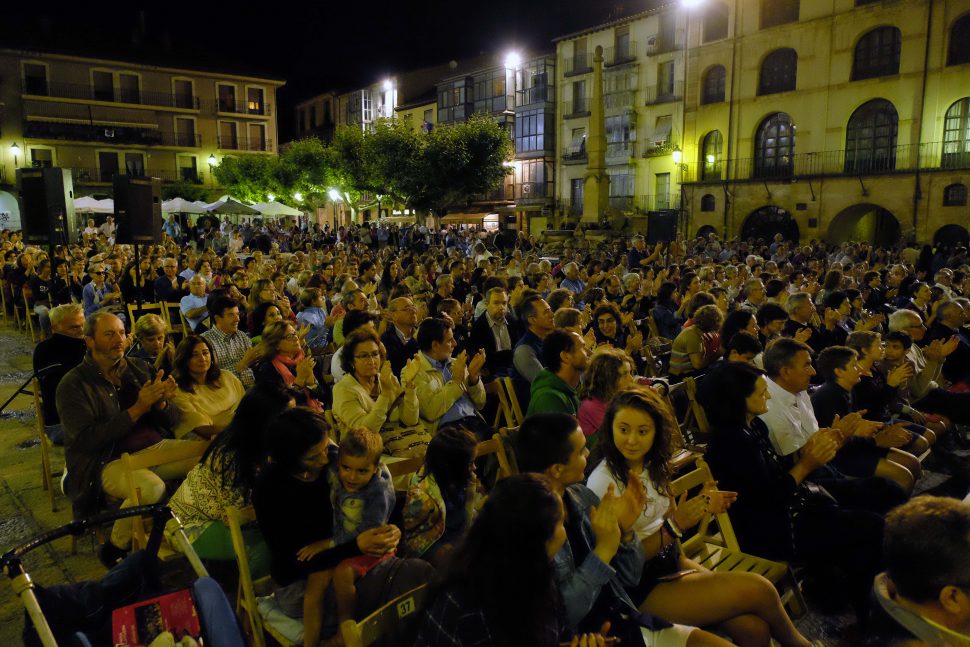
{"x":193,"y":305}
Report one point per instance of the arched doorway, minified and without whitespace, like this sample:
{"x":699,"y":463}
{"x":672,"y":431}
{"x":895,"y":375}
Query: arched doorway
{"x":705,"y":231}
{"x":952,"y":235}
{"x":765,"y":222}
{"x":867,"y":223}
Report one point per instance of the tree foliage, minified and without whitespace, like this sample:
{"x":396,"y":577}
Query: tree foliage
{"x":391,"y":162}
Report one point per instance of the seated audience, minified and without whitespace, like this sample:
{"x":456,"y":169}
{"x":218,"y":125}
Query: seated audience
{"x":193,"y":304}
{"x":207,"y":396}
{"x":399,"y":341}
{"x":554,"y":389}
{"x":314,"y":315}
{"x":264,"y":314}
{"x":284,"y":362}
{"x":234,"y":351}
{"x":151,"y":336}
{"x":609,"y":372}
{"x":54,"y":357}
{"x":688,"y":354}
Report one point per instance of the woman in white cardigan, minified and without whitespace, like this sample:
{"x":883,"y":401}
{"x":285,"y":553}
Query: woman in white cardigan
{"x":370,"y":396}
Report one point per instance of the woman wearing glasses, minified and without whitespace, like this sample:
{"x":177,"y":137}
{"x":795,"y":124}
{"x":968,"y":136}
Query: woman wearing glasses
{"x":284,"y":361}
{"x":370,"y":396}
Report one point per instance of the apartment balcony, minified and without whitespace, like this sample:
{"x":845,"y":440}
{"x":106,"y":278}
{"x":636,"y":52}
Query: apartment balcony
{"x":907,"y":158}
{"x":244,"y":144}
{"x":578,"y":64}
{"x":620,"y":152}
{"x":664,"y":93}
{"x":85,"y":92}
{"x":117,"y":135}
{"x":578,"y":107}
{"x":658,"y":202}
{"x":537,"y":94}
{"x":657,"y":149}
{"x":661,"y":44}
{"x":622,"y":100}
{"x":575,"y":157}
{"x":240,"y":107}
{"x":533,"y":191}
{"x":620,"y":55}
{"x":92,"y":175}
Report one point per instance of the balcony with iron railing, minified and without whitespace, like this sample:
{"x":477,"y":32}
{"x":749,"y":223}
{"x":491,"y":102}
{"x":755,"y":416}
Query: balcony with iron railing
{"x":661,"y":44}
{"x":620,"y":152}
{"x":92,"y":175}
{"x":657,"y":148}
{"x":620,"y":55}
{"x":118,"y":135}
{"x":244,"y":143}
{"x":578,"y":64}
{"x":664,"y":93}
{"x":575,"y":157}
{"x":658,"y":202}
{"x":237,"y":107}
{"x":575,"y":108}
{"x":80,"y":91}
{"x":618,"y":100}
{"x":621,"y":202}
{"x":533,"y":95}
{"x":906,"y":158}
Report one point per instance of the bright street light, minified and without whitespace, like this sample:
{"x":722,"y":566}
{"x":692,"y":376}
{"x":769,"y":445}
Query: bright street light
{"x":513,"y":60}
{"x":270,"y":197}
{"x":690,"y":4}
{"x":388,"y":85}
{"x":711,"y":159}
{"x":298,"y":196}
{"x":212,"y":160}
{"x":14,"y":148}
{"x":677,"y":155}
{"x":334,"y":195}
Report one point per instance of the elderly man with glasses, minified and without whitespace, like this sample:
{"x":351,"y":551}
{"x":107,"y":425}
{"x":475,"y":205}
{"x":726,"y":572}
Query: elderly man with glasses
{"x":99,"y":294}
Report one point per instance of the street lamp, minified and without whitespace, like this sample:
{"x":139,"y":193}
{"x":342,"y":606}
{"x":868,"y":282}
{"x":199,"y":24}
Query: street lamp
{"x":15,"y":150}
{"x":388,"y":85}
{"x":513,"y":60}
{"x":212,"y":160}
{"x":334,"y":195}
{"x":677,"y":155}
{"x":270,"y":197}
{"x":297,"y":196}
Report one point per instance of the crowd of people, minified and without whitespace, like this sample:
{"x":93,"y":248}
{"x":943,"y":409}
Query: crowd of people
{"x":300,"y":362}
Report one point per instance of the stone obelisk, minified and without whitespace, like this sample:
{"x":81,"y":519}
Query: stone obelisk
{"x":596,"y":183}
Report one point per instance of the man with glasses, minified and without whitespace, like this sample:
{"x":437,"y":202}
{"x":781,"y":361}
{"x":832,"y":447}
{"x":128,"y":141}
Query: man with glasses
{"x":923,"y":597}
{"x":170,"y":286}
{"x":98,"y":294}
{"x":398,"y":339}
{"x":54,"y":357}
{"x":193,"y":305}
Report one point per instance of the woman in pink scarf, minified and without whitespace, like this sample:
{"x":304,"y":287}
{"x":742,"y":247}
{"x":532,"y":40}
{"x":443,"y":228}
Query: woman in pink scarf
{"x":286,"y":362}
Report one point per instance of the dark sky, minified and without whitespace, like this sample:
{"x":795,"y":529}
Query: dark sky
{"x":314,"y":47}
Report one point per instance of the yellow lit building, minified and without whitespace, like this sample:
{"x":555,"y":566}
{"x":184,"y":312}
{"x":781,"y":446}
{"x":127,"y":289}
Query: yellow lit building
{"x":828,"y":119}
{"x":100,"y":118}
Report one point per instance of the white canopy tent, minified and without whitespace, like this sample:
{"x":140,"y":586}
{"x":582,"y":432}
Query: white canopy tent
{"x":181,"y":205}
{"x":275,"y":209}
{"x":87,"y":204}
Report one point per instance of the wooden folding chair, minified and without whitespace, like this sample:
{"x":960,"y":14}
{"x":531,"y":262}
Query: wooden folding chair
{"x":3,"y":300}
{"x":174,"y":305}
{"x":715,"y":546}
{"x":134,"y":312}
{"x":392,"y":617}
{"x":29,"y":317}
{"x":401,"y":469}
{"x":503,"y":412}
{"x":506,"y":435}
{"x":513,"y":402}
{"x":133,"y":462}
{"x":48,"y":475}
{"x":696,"y":417}
{"x":246,"y":606}
{"x":496,"y":445}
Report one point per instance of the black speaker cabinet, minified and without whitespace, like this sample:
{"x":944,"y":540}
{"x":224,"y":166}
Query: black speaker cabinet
{"x":661,"y":226}
{"x":47,"y":206}
{"x":138,"y":210}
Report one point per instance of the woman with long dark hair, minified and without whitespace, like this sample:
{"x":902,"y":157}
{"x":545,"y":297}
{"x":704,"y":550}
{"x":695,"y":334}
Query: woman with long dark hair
{"x":637,"y":443}
{"x":499,"y":588}
{"x":778,"y":515}
{"x":207,"y":397}
{"x":225,"y":477}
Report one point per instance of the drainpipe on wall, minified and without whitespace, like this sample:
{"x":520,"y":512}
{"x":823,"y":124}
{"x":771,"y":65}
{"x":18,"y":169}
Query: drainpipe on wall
{"x":917,"y":191}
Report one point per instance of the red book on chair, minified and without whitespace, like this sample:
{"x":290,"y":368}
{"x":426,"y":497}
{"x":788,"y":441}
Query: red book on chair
{"x":137,"y":625}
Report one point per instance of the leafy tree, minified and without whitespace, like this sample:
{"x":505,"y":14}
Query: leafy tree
{"x":250,"y":177}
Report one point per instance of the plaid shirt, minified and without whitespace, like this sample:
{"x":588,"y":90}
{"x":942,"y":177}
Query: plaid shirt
{"x":229,"y":351}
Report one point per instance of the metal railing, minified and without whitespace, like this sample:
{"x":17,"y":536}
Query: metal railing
{"x":664,"y":93}
{"x":537,"y":94}
{"x":92,"y":175}
{"x":576,"y":157}
{"x":621,"y":202}
{"x":110,"y":134}
{"x":657,"y":149}
{"x":577,"y":107}
{"x":238,"y":107}
{"x":61,"y":90}
{"x":620,"y":151}
{"x":244,"y":143}
{"x":533,"y":190}
{"x":620,"y":55}
{"x":618,"y":100}
{"x":904,"y":158}
{"x":661,"y":202}
{"x":578,"y":64}
{"x":661,"y":44}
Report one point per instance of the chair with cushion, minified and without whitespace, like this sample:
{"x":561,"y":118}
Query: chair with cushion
{"x":258,"y":616}
{"x":393,"y":618}
{"x":715,"y":546}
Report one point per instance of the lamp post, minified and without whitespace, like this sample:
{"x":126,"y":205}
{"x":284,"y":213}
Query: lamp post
{"x":212,"y":166}
{"x":677,"y":154}
{"x":15,"y":150}
{"x":335,"y":198}
{"x":678,"y":158}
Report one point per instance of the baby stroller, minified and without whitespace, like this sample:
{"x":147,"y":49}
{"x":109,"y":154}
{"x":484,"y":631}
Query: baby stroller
{"x":88,"y":614}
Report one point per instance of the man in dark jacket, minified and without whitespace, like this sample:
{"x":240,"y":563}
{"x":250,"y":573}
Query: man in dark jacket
{"x":398,"y":339}
{"x":494,"y":333}
{"x":54,"y":357}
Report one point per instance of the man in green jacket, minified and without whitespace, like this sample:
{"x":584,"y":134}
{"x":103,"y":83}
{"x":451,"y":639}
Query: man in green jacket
{"x":554,"y":389}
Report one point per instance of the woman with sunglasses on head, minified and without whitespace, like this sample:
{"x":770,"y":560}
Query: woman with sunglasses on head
{"x":285,"y":361}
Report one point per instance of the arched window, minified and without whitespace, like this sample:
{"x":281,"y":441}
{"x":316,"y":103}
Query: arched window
{"x":870,"y":138}
{"x":714,"y":81}
{"x":778,"y":12}
{"x":778,"y":71}
{"x":708,"y":203}
{"x":956,"y":135}
{"x":955,"y":195}
{"x":877,"y":54}
{"x":959,"y":50}
{"x":774,"y":153}
{"x":711,"y":156}
{"x":715,"y":26}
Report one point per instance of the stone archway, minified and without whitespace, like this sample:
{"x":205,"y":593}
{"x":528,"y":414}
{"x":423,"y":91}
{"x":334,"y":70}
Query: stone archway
{"x":706,"y":231}
{"x":952,"y":235}
{"x":865,"y":222}
{"x":767,"y":221}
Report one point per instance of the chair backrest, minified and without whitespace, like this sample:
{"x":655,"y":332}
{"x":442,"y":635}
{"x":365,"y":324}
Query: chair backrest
{"x":390,"y":618}
{"x":405,"y":466}
{"x":720,"y":533}
{"x":507,"y":436}
{"x":696,"y":416}
{"x":134,"y":312}
{"x":513,"y":402}
{"x":503,"y":411}
{"x":496,"y":445}
{"x":169,"y":307}
{"x":162,"y":456}
{"x":652,"y":326}
{"x":683,"y":434}
{"x":246,"y":593}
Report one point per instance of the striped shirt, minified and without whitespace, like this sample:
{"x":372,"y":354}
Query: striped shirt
{"x":229,"y":351}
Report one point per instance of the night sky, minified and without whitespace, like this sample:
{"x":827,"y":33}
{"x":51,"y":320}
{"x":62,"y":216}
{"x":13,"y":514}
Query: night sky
{"x":314,"y":47}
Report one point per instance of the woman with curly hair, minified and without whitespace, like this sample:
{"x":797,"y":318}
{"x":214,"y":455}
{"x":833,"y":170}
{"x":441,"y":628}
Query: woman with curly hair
{"x":609,"y":372}
{"x":607,"y":324}
{"x":636,"y":446}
